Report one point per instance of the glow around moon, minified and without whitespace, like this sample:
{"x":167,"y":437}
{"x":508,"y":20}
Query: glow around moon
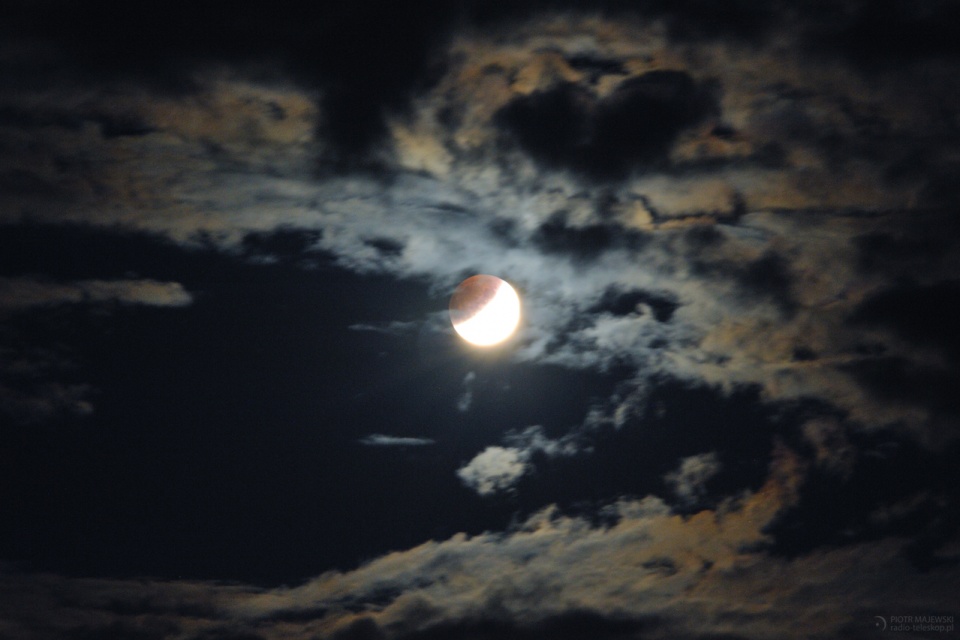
{"x":484,"y":310}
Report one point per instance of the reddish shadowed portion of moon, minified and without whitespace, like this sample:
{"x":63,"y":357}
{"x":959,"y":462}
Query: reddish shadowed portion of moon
{"x":484,"y":310}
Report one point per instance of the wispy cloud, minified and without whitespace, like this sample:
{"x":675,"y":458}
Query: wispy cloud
{"x":17,"y":294}
{"x":380,"y":440}
{"x":466,"y":400}
{"x":389,"y":328}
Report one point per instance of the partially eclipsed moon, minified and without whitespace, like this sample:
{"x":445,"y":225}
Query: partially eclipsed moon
{"x":484,"y":310}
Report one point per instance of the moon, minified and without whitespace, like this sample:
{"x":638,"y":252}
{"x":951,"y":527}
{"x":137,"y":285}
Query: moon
{"x":484,"y":310}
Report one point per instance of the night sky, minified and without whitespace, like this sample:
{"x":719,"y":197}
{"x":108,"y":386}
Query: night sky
{"x":232,"y":406}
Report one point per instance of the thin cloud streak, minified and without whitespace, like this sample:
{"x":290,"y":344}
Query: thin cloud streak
{"x":19,"y":294}
{"x":381,"y":440}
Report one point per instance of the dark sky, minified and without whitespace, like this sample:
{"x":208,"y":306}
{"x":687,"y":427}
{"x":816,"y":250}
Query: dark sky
{"x":231,"y":402}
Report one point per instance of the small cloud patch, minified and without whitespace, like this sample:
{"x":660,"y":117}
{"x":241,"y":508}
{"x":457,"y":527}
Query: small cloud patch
{"x":688,"y":481}
{"x":495,"y":469}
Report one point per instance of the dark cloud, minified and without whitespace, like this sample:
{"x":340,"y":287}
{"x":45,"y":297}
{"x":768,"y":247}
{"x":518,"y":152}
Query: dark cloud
{"x":22,"y":182}
{"x":366,"y":56}
{"x":362,"y":629}
{"x":702,"y":236}
{"x":565,"y":126}
{"x":686,"y":19}
{"x":123,"y":630}
{"x":387,"y":247}
{"x":921,"y":314}
{"x":149,"y":603}
{"x":115,"y":127}
{"x":369,"y":58}
{"x":694,"y":19}
{"x":551,"y":125}
{"x":569,"y":626}
{"x":895,"y":488}
{"x":620,"y":303}
{"x":596,"y":67}
{"x":110,"y":125}
{"x":898,"y":378}
{"x":766,"y":277}
{"x":584,"y":242}
{"x":227,"y":635}
{"x":42,"y":117}
{"x":284,"y":245}
{"x":79,"y":251}
{"x":939,"y":189}
{"x":769,"y":277}
{"x":874,"y":33}
{"x":899,"y":254}
{"x":804,"y":354}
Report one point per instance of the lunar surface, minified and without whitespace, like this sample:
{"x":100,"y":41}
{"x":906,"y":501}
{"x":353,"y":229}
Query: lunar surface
{"x":484,"y":310}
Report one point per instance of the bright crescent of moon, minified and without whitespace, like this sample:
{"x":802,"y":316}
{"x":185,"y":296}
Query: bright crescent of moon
{"x":485,"y":310}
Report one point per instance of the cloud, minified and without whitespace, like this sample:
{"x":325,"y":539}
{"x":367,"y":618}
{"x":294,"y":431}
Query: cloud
{"x":494,"y":469}
{"x":566,"y":126}
{"x":721,"y":213}
{"x":46,"y":606}
{"x":748,"y":240}
{"x":30,"y":404}
{"x":380,"y":440}
{"x":645,"y":569}
{"x":18,"y":294}
{"x":39,"y":383}
{"x":774,"y":201}
{"x":533,"y":440}
{"x":464,"y":402}
{"x":688,"y":480}
{"x":703,"y":574}
{"x":515,"y":585}
{"x":497,"y":469}
{"x":393,"y":328}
